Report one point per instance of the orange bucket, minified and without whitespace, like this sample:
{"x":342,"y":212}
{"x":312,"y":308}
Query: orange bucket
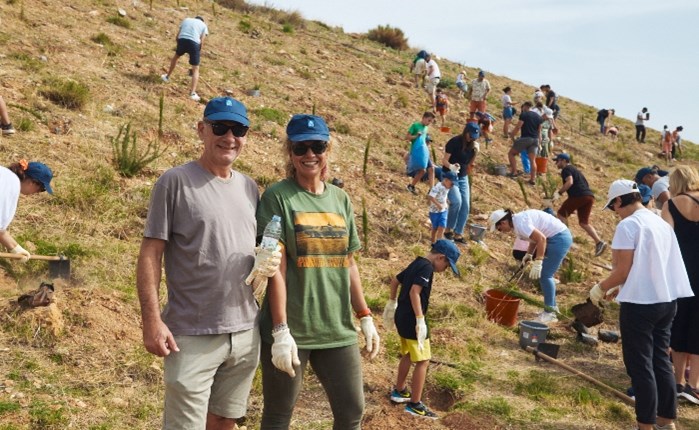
{"x":541,"y":164}
{"x":501,"y":308}
{"x":445,"y":129}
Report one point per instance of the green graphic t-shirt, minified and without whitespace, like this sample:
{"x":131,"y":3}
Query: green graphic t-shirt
{"x":318,"y":233}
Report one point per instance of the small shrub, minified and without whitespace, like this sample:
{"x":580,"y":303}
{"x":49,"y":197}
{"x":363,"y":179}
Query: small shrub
{"x":446,"y":83}
{"x":66,"y":93}
{"x":305,"y":74}
{"x":570,"y":273}
{"x":8,"y":407}
{"x":28,"y":63}
{"x":237,"y":5}
{"x":128,"y":159}
{"x":478,"y":255}
{"x":24,"y":124}
{"x":102,"y":39}
{"x":366,"y":157}
{"x":119,"y":21}
{"x":342,"y":128}
{"x":288,"y":28}
{"x":44,"y":416}
{"x":244,"y":26}
{"x":271,"y":114}
{"x":389,"y":36}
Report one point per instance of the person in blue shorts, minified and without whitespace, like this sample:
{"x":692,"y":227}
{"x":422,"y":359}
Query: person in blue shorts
{"x":407,"y":309}
{"x":190,"y":40}
{"x":439,"y":204}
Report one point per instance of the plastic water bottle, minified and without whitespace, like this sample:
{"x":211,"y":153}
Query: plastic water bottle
{"x":273,"y":231}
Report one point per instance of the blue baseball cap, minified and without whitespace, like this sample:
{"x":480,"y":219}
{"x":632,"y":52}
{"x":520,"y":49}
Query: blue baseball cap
{"x":226,"y":109}
{"x":562,"y":156}
{"x":303,"y":127}
{"x":646,"y":193}
{"x":473,"y":130}
{"x":448,"y":174}
{"x":40,"y":172}
{"x":449,"y":250}
{"x":642,"y":173}
{"x":481,"y":73}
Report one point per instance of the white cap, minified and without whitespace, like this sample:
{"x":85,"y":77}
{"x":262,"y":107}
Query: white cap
{"x":620,"y":187}
{"x":495,"y":217}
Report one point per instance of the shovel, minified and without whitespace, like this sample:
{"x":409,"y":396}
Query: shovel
{"x":59,"y":266}
{"x":538,"y":354}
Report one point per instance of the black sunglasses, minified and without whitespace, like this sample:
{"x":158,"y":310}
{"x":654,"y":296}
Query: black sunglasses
{"x":220,"y":129}
{"x":610,"y":206}
{"x":317,"y":146}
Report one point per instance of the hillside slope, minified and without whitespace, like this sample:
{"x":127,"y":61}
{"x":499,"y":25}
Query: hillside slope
{"x":80,"y":363}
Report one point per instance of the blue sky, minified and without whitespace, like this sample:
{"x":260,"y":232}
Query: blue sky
{"x":621,"y":54}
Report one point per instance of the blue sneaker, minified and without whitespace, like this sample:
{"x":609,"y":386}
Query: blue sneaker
{"x":402,"y":396}
{"x":420,"y":410}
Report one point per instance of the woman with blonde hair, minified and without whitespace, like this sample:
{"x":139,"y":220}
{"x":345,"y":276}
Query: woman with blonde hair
{"x":682,"y":213}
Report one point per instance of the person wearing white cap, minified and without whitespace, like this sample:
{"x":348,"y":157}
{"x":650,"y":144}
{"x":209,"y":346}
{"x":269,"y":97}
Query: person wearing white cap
{"x":549,"y":242}
{"x":647,"y":278}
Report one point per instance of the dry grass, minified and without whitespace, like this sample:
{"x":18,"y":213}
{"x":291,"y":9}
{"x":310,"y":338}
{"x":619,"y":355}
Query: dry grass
{"x":96,"y":375}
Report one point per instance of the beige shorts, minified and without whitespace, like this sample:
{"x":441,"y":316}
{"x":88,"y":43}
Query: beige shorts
{"x":210,"y":373}
{"x":431,"y":85}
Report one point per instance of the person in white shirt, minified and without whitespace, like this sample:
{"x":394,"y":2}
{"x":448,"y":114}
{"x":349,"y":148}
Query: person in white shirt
{"x":190,"y":40}
{"x":647,"y":278}
{"x":461,"y":83}
{"x":433,"y":77}
{"x":549,"y":242}
{"x":641,"y":117}
{"x":660,"y":185}
{"x":439,"y":205}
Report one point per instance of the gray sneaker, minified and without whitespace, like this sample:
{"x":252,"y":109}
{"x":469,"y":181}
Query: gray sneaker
{"x":165,"y":78}
{"x":600,"y":247}
{"x":195,"y":97}
{"x":7,"y":129}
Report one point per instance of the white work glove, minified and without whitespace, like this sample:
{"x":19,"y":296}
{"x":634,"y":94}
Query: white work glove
{"x":556,"y":195}
{"x":285,"y":354}
{"x":266,"y":265}
{"x":421,"y":330}
{"x":527,"y":258}
{"x":389,"y":312}
{"x":476,"y":146}
{"x":21,"y":251}
{"x":597,"y":294}
{"x":370,"y":335}
{"x":455,"y":168}
{"x":535,"y":272}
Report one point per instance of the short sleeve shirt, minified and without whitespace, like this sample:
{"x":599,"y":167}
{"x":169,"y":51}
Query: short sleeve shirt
{"x":459,"y":155}
{"x":657,"y":273}
{"x":526,"y":221}
{"x":193,"y":29}
{"x":208,"y":224}
{"x":419,"y":272}
{"x":415,"y":128}
{"x":9,"y":196}
{"x":530,"y":124}
{"x":439,"y":192}
{"x":659,"y":187}
{"x":479,"y":89}
{"x":318,"y":233}
{"x":580,"y":186}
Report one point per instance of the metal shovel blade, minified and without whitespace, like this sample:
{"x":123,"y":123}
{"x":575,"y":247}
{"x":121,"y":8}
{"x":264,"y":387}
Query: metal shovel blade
{"x":60,"y":268}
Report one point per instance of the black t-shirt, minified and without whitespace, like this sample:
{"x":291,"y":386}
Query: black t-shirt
{"x":457,"y":154}
{"x":419,"y":272}
{"x":551,"y":99}
{"x":602,"y":115}
{"x":580,"y":187}
{"x":531,"y":122}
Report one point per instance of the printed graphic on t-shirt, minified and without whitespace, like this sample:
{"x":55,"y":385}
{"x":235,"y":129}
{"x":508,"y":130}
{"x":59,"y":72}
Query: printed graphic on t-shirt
{"x":322,"y":239}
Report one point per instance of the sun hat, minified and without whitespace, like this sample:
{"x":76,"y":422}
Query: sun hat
{"x":40,"y":172}
{"x":620,"y":187}
{"x":449,"y":250}
{"x":226,"y":109}
{"x":495,"y":218}
{"x":303,"y":127}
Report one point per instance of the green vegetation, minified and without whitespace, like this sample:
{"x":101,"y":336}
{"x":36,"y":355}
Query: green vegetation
{"x":119,"y":21}
{"x":392,"y":37}
{"x":271,"y":114}
{"x":67,"y":93}
{"x":28,"y":62}
{"x":24,"y":124}
{"x":128,"y":158}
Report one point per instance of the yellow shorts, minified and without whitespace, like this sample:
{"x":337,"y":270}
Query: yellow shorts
{"x":409,"y":346}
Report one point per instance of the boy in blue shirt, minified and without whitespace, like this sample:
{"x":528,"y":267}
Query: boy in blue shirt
{"x":408,"y":313}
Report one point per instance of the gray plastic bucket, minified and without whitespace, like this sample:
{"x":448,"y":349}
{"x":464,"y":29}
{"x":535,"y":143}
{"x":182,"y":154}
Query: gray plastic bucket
{"x":532,"y":333}
{"x":500,"y":169}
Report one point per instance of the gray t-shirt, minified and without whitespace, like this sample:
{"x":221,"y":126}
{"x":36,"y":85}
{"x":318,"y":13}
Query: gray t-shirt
{"x":659,"y":187}
{"x":209,"y":225}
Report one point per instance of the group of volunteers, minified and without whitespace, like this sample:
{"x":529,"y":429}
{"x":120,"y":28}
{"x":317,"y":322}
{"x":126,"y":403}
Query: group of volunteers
{"x":205,"y":227}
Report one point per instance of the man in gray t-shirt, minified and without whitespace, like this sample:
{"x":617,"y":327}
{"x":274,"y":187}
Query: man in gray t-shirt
{"x":201,"y":223}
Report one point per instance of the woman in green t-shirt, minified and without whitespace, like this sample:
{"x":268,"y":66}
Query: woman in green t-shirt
{"x":307,"y":313}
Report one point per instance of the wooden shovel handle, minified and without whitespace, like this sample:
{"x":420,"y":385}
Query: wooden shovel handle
{"x":34,"y":256}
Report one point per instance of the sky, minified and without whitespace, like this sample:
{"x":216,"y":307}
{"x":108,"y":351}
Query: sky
{"x":620,"y":54}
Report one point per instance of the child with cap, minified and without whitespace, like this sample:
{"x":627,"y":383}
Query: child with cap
{"x":439,"y":204}
{"x":408,"y":312}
